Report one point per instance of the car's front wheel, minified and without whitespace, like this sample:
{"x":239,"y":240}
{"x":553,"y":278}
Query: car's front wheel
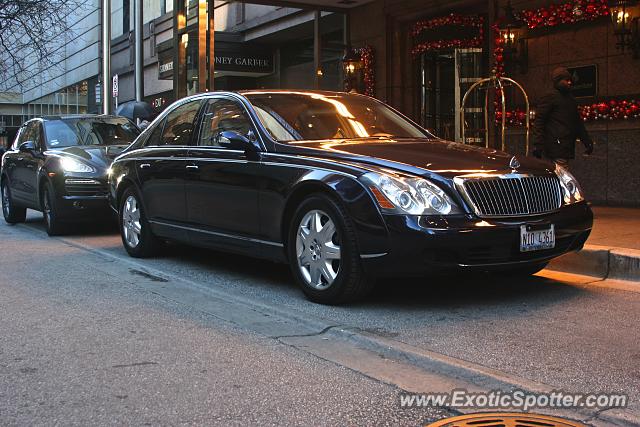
{"x":323,"y":253}
{"x":135,"y":230}
{"x":12,"y":213}
{"x":50,"y":211}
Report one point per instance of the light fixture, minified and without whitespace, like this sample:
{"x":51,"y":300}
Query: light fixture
{"x":625,"y":15}
{"x":351,"y":62}
{"x":512,"y":31}
{"x":353,"y":68}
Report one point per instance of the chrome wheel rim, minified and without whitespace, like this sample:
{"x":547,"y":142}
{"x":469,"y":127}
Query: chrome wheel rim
{"x":131,"y":226}
{"x":318,"y":250}
{"x":6,"y":201}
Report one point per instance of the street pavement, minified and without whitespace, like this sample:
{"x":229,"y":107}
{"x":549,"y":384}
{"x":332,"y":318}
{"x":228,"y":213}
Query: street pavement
{"x":80,"y":346}
{"x":84,"y":294}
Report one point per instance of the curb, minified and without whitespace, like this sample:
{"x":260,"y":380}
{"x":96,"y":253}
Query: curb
{"x":602,"y":262}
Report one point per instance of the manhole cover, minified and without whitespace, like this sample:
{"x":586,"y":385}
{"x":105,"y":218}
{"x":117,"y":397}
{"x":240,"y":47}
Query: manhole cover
{"x":505,"y":419}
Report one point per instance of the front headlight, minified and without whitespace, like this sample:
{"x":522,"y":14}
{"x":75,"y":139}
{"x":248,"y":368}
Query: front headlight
{"x":570,"y":188}
{"x":413,"y":196}
{"x":73,"y":165}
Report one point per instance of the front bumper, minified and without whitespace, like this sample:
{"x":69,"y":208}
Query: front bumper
{"x":421,"y":245}
{"x":82,"y":197}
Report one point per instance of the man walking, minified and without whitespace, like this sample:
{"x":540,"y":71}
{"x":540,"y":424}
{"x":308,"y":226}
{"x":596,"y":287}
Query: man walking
{"x":558,"y":123}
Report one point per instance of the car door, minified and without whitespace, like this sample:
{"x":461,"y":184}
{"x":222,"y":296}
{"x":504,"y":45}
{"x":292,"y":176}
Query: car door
{"x":160,"y":166}
{"x":221,"y":183}
{"x":19,"y":174}
{"x":10,"y":160}
{"x":31,"y":163}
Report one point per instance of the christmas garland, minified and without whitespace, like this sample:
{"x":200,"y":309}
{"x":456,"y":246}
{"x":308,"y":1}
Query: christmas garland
{"x":366,"y":56}
{"x":611,"y":110}
{"x":565,"y":13}
{"x":603,"y":110}
{"x":453,"y":19}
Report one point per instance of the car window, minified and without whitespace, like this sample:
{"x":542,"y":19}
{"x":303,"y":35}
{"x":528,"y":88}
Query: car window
{"x":156,"y":134}
{"x":89,"y":131}
{"x":297,"y":116}
{"x":20,"y":138}
{"x":36,"y":136}
{"x":179,"y":124}
{"x":223,"y":115}
{"x":28,"y":133}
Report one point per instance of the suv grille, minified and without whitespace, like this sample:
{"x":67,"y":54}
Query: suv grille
{"x":513,"y":195}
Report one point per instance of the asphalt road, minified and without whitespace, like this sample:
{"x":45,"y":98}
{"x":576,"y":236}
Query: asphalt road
{"x":574,"y":337}
{"x":80,"y":346}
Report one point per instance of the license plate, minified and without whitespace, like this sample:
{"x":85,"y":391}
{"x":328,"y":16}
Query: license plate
{"x":537,"y":239}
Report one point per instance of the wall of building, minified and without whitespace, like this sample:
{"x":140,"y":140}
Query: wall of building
{"x":609,"y":176}
{"x":77,"y":55}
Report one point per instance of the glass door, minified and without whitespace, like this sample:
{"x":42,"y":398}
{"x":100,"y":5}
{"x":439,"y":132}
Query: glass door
{"x":468,"y":70}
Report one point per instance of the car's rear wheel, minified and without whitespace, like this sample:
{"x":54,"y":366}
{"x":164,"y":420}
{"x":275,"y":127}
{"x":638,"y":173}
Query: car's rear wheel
{"x":12,"y":213}
{"x":323,"y":253}
{"x":51,"y":212}
{"x":137,"y":238}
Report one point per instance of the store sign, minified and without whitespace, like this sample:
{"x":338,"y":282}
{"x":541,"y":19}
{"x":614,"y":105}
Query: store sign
{"x":165,"y":69}
{"x":585,"y":81}
{"x":244,"y":62}
{"x":114,"y":87}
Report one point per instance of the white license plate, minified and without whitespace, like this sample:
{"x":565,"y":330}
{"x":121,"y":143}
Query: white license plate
{"x":536,"y":240}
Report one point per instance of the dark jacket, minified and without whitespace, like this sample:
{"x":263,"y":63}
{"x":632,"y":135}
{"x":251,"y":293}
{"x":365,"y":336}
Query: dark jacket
{"x":557,"y":125}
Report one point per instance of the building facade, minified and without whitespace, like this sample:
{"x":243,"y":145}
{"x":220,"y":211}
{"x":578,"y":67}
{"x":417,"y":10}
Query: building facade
{"x":427,"y":53}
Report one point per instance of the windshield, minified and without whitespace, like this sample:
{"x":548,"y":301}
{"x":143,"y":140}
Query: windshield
{"x":94,"y":131}
{"x":299,"y":116}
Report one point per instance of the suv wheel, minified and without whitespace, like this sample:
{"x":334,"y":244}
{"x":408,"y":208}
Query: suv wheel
{"x":323,"y":253}
{"x":12,"y":213}
{"x":50,"y":211}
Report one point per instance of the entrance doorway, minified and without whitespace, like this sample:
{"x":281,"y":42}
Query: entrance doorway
{"x":444,"y":77}
{"x":437,"y":93}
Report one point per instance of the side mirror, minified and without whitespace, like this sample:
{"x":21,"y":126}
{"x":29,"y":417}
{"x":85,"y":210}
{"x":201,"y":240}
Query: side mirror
{"x":27,"y":147}
{"x":234,"y":141}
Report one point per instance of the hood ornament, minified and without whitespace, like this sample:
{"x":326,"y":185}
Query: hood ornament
{"x":514,"y":163}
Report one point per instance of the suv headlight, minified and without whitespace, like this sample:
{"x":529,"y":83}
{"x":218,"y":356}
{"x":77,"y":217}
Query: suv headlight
{"x":413,"y":196}
{"x":570,"y":188}
{"x":73,"y":165}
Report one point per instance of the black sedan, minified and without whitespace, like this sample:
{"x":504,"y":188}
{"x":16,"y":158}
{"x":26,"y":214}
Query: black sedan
{"x":343,"y":188}
{"x":58,"y":165}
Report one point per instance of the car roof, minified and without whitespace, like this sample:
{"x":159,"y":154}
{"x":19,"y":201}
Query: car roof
{"x":291,"y":92}
{"x":80,"y":116}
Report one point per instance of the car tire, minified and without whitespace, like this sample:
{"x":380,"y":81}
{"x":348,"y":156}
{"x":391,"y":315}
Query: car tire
{"x":135,"y":230}
{"x":12,"y":214}
{"x":51,"y":211}
{"x":323,"y":253}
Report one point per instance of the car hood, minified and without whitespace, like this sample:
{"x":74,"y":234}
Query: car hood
{"x":98,"y":156}
{"x":420,"y":156}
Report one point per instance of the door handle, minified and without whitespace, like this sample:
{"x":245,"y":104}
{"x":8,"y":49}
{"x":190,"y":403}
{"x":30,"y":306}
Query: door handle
{"x":194,"y":167}
{"x":145,"y":166}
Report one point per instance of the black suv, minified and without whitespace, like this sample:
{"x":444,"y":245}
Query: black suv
{"x":59,"y":165}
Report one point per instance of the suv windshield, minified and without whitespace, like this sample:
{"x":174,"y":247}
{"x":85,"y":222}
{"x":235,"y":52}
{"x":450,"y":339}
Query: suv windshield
{"x":298,"y":116}
{"x":93,"y":131}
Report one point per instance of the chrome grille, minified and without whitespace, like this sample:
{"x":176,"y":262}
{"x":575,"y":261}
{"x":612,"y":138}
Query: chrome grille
{"x":513,"y":195}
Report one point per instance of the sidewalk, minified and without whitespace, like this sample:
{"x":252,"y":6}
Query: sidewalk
{"x":613,"y":249}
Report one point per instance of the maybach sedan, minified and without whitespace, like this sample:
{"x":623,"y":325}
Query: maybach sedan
{"x":343,"y":188}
